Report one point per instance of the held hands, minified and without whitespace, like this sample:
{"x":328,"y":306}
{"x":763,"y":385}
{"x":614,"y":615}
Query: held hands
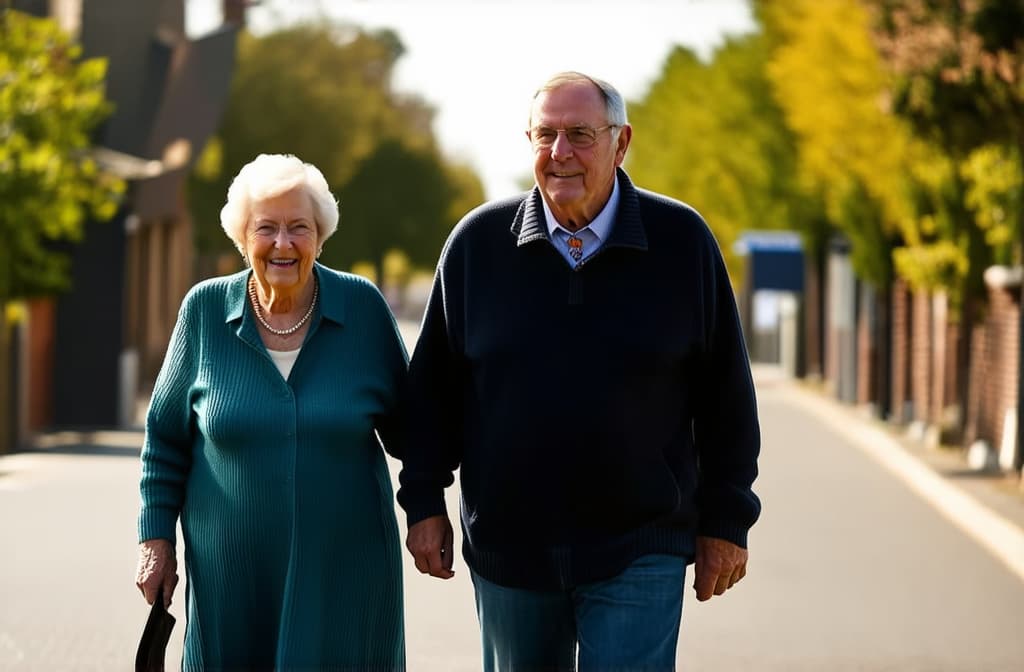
{"x":719,"y":566}
{"x":158,"y":567}
{"x":430,"y":542}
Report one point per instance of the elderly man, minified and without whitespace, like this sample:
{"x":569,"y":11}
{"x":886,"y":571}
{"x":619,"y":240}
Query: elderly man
{"x":581,"y":362}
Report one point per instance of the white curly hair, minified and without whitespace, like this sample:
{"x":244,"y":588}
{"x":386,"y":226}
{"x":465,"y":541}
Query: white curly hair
{"x":270,"y":175}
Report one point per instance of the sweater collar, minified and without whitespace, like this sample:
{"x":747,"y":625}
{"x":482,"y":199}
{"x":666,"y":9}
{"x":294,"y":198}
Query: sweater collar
{"x":331,"y":299}
{"x":627,"y":231}
{"x":601,"y":225}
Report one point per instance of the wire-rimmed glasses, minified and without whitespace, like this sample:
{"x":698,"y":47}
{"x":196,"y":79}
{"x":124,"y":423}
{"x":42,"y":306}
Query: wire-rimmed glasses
{"x":581,"y":137}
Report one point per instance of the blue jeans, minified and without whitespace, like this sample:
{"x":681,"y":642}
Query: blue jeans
{"x":628,"y":623}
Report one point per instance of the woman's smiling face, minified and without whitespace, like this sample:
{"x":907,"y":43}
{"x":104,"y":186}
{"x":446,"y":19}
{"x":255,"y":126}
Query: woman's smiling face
{"x":281,"y":241}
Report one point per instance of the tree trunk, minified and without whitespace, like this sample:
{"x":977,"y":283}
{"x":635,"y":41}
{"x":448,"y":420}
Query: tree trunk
{"x":813,"y":313}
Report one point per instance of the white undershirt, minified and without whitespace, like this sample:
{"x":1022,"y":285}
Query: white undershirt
{"x":284,"y":360}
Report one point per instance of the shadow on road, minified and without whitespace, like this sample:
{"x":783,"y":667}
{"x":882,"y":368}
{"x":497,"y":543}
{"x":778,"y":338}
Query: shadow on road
{"x":87,"y":449}
{"x":104,"y":443}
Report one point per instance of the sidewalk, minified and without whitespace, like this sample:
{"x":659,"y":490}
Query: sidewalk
{"x":987,"y":506}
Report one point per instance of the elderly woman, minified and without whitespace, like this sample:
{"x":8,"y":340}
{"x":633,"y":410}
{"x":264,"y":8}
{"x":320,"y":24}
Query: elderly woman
{"x":264,"y":436}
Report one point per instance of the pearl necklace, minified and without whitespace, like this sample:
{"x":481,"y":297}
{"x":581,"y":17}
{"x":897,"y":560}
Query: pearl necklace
{"x":291,"y":330}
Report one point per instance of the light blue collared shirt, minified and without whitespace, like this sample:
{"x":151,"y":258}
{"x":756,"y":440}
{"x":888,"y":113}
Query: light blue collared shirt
{"x":593,"y":235}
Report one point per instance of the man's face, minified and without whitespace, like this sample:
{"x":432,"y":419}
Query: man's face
{"x":575,"y":181}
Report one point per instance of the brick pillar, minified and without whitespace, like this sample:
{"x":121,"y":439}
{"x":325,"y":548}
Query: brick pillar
{"x":42,"y":314}
{"x":920,"y":354}
{"x":951,"y":390}
{"x":900,"y":350}
{"x":999,"y":384}
{"x":866,"y":348}
{"x":937,"y":384}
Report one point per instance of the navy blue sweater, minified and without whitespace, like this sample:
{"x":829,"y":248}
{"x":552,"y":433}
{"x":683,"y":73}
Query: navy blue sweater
{"x":596,"y":414}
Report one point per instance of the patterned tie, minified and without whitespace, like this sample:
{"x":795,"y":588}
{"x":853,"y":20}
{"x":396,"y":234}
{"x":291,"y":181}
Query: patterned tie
{"x":575,"y":247}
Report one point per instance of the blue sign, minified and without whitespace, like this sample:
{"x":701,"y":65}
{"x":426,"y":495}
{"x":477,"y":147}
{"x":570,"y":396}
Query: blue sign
{"x":775,"y":260}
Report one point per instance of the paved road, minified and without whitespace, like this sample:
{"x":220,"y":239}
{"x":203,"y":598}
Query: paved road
{"x":850,"y":570}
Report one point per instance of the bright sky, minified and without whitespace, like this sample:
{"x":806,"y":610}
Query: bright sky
{"x":478,"y":62}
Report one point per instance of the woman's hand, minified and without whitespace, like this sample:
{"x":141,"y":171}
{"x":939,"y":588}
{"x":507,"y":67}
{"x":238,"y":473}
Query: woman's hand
{"x":158,"y":567}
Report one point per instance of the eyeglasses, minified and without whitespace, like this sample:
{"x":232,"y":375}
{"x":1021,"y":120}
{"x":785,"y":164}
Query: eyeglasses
{"x":297,"y":229}
{"x":580,"y":137}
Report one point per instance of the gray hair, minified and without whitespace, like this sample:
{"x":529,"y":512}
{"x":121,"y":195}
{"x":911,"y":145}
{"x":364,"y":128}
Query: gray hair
{"x":268,"y":176}
{"x":615,"y":105}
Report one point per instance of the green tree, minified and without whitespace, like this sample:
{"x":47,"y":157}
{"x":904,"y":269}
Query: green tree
{"x":397,"y":200}
{"x":959,"y":68}
{"x":852,"y":153}
{"x":711,"y":134}
{"x":50,"y":101}
{"x":467,"y":193}
{"x":994,"y":178}
{"x":958,"y":78}
{"x":851,"y":150}
{"x":323,"y":92}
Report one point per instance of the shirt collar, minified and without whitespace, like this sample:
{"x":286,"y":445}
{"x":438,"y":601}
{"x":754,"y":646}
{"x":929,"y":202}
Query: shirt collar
{"x":331,"y":300}
{"x":528,"y":224}
{"x":600,"y":226}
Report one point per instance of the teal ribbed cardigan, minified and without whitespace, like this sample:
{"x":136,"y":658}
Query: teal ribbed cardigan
{"x":292,"y":555}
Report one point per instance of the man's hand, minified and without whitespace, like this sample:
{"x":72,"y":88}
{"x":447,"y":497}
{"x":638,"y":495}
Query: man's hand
{"x":158,"y":567}
{"x":719,"y":566}
{"x":430,"y":542}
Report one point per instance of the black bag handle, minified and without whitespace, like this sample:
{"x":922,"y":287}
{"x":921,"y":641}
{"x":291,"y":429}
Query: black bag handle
{"x":153,"y":646}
